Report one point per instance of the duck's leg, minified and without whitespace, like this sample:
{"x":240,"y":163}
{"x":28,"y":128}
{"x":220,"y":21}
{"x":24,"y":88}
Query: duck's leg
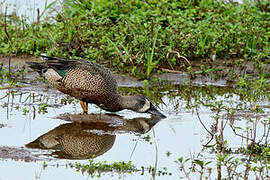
{"x":84,"y":107}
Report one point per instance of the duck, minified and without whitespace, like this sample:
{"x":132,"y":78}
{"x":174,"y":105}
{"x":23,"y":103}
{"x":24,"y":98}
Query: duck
{"x":92,"y":83}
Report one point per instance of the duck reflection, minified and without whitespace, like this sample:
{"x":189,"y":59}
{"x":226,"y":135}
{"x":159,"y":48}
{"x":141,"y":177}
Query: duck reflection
{"x":88,"y":135}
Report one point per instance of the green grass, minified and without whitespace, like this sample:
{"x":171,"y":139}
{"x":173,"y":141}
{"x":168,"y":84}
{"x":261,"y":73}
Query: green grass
{"x":12,"y":76}
{"x":139,"y":33}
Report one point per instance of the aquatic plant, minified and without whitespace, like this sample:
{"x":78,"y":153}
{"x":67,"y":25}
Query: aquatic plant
{"x":43,"y":108}
{"x":96,"y":169}
{"x":12,"y":77}
{"x":244,"y":118}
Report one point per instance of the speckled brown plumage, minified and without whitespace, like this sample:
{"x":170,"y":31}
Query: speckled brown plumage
{"x":84,"y":80}
{"x":90,"y":83}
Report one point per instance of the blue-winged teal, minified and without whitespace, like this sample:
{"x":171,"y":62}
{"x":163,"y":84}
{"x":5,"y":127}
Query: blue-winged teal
{"x":90,"y":83}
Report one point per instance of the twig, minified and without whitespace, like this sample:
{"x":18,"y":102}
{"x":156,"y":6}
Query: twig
{"x":22,"y":23}
{"x":170,"y":71}
{"x":5,"y":24}
{"x":247,"y":138}
{"x":255,"y":129}
{"x":38,"y":16}
{"x":133,"y":150}
{"x":9,"y":66}
{"x":212,"y":135}
{"x":156,"y":160}
{"x":202,"y":122}
{"x":178,"y":55}
{"x":185,"y":172}
{"x":9,"y":40}
{"x":266,"y":137}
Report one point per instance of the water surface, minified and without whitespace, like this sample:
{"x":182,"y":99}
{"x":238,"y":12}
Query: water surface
{"x":41,"y":125}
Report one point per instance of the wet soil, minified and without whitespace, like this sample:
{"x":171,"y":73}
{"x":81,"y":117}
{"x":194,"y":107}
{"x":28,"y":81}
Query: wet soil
{"x":204,"y":72}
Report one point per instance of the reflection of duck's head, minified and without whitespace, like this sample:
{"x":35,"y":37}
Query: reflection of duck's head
{"x":112,"y":123}
{"x":89,"y":135}
{"x":72,"y":141}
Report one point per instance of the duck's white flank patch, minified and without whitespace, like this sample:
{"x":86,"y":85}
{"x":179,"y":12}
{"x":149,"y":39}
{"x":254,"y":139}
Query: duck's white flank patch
{"x":52,"y":76}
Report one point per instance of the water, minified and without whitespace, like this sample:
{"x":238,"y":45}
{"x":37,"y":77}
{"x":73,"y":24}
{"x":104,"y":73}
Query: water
{"x":135,"y":137}
{"x":26,"y":8}
{"x":24,"y":129}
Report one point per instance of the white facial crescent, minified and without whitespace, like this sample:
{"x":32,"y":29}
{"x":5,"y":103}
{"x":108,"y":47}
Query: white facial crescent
{"x":145,"y":107}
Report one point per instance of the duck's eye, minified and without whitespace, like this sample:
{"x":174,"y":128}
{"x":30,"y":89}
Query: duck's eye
{"x":43,"y":71}
{"x":144,"y":105}
{"x":141,"y":103}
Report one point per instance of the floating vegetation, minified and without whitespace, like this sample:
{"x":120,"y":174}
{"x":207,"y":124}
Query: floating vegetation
{"x":104,"y":166}
{"x":95,"y":169}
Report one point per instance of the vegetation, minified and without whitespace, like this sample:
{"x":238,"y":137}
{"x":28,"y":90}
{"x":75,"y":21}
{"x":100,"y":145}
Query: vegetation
{"x":142,"y":37}
{"x":12,"y":77}
{"x":94,"y":167}
{"x":99,"y":168}
{"x":146,"y":34}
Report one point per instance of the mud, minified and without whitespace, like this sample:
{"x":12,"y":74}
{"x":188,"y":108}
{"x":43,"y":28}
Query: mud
{"x":223,"y":75}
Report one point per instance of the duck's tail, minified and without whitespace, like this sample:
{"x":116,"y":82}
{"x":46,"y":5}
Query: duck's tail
{"x":60,"y":65}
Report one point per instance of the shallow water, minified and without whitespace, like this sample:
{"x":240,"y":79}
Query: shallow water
{"x":26,"y":8}
{"x":21,"y":129}
{"x":38,"y":113}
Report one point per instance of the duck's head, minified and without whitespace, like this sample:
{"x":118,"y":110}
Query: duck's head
{"x":142,"y":104}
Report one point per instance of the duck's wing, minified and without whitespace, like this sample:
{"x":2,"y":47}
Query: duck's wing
{"x":61,"y":65}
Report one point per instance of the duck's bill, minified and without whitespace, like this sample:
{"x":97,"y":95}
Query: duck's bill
{"x":153,"y":110}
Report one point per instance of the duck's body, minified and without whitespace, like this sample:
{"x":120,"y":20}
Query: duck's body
{"x":90,"y":83}
{"x":86,"y":81}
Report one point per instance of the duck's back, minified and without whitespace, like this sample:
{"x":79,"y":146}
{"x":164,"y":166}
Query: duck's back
{"x":91,"y":79}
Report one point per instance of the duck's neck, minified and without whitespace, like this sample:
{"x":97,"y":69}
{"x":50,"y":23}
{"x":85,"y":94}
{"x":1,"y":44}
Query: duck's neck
{"x":117,"y":103}
{"x":128,"y":102}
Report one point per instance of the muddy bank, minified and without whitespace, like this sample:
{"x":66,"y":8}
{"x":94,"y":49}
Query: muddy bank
{"x":218,"y":73}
